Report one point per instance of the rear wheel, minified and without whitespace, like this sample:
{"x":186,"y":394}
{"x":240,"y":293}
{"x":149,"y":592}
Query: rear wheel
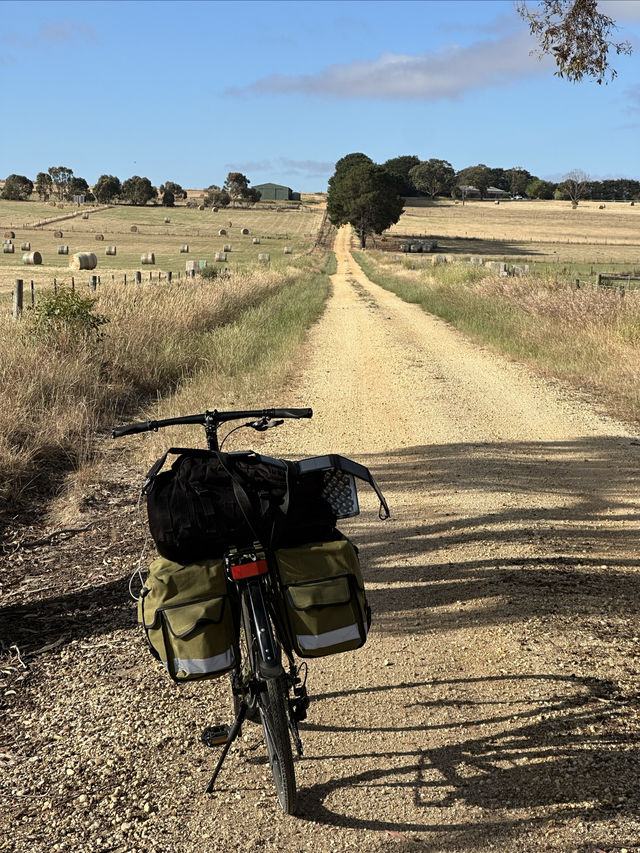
{"x":273,"y":703}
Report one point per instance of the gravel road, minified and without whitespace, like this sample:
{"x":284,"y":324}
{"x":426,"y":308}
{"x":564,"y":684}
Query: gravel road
{"x":495,"y":705}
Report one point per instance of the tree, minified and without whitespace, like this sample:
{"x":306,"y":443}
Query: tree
{"x":216,"y":197}
{"x":576,"y":185}
{"x":518,"y":179}
{"x":77,"y":186}
{"x":168,"y":198}
{"x":578,"y":36}
{"x":236,"y":185}
{"x":137,"y":190}
{"x":345,"y":163}
{"x":107,"y":188}
{"x":499,"y":179}
{"x":538,"y":188}
{"x":476,"y":176}
{"x":44,"y":185}
{"x":433,"y":177}
{"x":400,"y":167}
{"x":172,"y":187}
{"x":366,"y":196}
{"x":17,"y":188}
{"x":60,"y":175}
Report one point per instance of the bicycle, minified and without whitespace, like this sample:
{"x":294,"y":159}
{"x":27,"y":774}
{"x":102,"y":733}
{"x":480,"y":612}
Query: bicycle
{"x":264,"y":690}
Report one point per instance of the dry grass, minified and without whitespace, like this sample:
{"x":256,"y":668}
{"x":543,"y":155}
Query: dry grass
{"x":159,"y":335}
{"x":198,"y":229}
{"x":534,"y":231}
{"x":588,"y":337}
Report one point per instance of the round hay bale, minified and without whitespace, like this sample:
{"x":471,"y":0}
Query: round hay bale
{"x":244,"y":230}
{"x":256,"y":241}
{"x":497,"y":202}
{"x":220,"y":256}
{"x":222,"y":233}
{"x":83,"y":261}
{"x":110,"y":250}
{"x":133,"y":229}
{"x":63,"y":250}
{"x":10,"y":235}
{"x":264,"y":256}
{"x":99,"y":236}
{"x":167,"y":220}
{"x":202,"y":265}
{"x":58,"y":235}
{"x":184,"y":249}
{"x":26,"y":247}
{"x":61,"y":205}
{"x":85,"y":215}
{"x":32,"y":258}
{"x":632,"y":203}
{"x":287,"y":250}
{"x":601,"y":206}
{"x":52,"y":204}
{"x":214,"y":209}
{"x":226,"y":247}
{"x":191,"y":266}
{"x":201,"y":207}
{"x":147,"y":258}
{"x":8,"y":248}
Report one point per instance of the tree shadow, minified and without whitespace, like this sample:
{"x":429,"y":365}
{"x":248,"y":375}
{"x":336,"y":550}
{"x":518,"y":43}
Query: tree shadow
{"x":574,"y":759}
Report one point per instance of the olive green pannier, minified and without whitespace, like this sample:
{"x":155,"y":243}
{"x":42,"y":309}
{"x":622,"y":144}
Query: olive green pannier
{"x":322,"y":602}
{"x":188,"y":618}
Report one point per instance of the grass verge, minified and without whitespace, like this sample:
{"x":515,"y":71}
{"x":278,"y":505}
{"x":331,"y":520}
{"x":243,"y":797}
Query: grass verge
{"x":588,"y":337}
{"x":160,"y":339}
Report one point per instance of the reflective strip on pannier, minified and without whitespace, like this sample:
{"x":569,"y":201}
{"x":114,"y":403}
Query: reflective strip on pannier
{"x":188,"y":618}
{"x":323,"y":603}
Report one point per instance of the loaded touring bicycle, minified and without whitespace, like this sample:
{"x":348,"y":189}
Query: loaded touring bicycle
{"x":253,"y":574}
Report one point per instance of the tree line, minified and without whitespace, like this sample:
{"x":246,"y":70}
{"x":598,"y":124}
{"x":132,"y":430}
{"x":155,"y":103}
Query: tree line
{"x":60,"y":183}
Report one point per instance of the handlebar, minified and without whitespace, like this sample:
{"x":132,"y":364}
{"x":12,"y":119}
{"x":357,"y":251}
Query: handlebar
{"x":214,"y":418}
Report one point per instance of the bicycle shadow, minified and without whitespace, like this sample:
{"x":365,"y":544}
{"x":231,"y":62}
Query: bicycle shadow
{"x":551,"y":763}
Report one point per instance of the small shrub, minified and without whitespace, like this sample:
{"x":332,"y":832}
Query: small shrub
{"x":209,"y":273}
{"x":66,"y":321}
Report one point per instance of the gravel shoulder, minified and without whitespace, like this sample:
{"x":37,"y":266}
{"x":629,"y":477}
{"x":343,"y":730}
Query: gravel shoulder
{"x":495,"y":705}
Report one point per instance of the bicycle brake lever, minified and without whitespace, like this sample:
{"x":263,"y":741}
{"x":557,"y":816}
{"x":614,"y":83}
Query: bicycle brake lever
{"x":264,"y":424}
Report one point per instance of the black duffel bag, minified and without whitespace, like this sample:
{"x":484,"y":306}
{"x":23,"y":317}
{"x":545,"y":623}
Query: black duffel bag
{"x":209,"y":500}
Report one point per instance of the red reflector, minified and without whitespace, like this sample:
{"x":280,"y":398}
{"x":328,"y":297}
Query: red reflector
{"x":249,"y":570}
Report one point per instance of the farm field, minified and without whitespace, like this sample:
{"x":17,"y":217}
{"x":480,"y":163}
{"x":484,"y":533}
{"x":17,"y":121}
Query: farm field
{"x":542,"y":233}
{"x":197,"y":229}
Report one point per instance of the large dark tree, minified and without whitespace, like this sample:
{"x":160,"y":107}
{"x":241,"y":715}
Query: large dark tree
{"x":107,"y":188}
{"x":518,"y":179}
{"x":538,"y":188}
{"x":137,"y":190}
{"x":77,"y":186}
{"x":17,"y":188}
{"x":216,"y":197}
{"x":349,"y":160}
{"x":365,"y":196}
{"x":400,"y":167}
{"x":44,"y":185}
{"x":475,"y":176}
{"x":433,"y":177}
{"x":578,"y":36}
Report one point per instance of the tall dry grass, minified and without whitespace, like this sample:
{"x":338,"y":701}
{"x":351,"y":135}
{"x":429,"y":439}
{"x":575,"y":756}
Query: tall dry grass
{"x":56,"y":398}
{"x":589,"y":337}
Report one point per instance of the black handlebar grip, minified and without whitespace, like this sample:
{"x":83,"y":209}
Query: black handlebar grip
{"x":292,"y":413}
{"x":131,"y":429}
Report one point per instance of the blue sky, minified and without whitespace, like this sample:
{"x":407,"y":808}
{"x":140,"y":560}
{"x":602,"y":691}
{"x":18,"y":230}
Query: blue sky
{"x":188,"y":91}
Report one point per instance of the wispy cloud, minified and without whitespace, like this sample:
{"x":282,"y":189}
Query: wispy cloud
{"x":447,"y":73}
{"x":310,"y":168}
{"x":63,"y":32}
{"x":283,"y":165}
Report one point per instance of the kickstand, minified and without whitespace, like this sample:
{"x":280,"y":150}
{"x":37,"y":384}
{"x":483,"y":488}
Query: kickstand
{"x":233,"y":734}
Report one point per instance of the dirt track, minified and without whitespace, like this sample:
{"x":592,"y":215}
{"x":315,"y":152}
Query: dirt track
{"x":495,"y":704}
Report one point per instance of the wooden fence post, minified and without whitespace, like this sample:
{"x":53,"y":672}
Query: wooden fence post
{"x":150,"y":275}
{"x":125,"y":278}
{"x":169,"y":276}
{"x":138,"y":277}
{"x":599,"y":279}
{"x":55,"y":285}
{"x":73,"y":283}
{"x":17,"y":298}
{"x":94,"y":282}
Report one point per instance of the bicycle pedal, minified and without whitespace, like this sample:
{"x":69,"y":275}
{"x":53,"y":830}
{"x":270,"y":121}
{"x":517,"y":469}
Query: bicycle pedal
{"x":215,"y":735}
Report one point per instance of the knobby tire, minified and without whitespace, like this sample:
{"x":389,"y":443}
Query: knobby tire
{"x":273,"y":703}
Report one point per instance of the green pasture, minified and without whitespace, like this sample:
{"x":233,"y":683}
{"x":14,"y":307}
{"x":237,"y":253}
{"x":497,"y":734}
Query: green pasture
{"x":295,"y":229}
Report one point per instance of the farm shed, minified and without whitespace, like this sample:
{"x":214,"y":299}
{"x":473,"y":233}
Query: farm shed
{"x":276,"y":192}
